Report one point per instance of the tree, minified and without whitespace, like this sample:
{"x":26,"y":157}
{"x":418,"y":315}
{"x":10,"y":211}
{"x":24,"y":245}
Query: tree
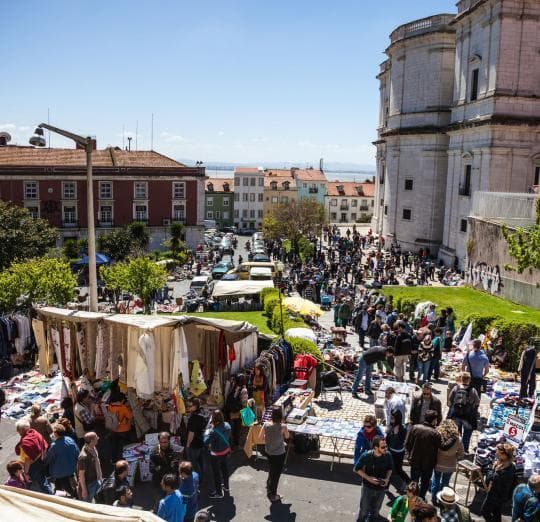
{"x":140,"y":276}
{"x":140,"y":236}
{"x":524,"y":245}
{"x":294,"y":220}
{"x":22,"y":236}
{"x":117,"y":244}
{"x":176,"y":243}
{"x":42,"y":280}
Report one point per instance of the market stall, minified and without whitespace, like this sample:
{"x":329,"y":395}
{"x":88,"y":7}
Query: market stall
{"x":241,"y":295}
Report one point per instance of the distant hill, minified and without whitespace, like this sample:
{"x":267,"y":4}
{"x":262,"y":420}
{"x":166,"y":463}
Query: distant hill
{"x":334,"y":166}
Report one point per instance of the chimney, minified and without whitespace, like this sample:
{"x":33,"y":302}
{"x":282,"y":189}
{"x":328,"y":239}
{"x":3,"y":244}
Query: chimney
{"x":321,"y":164}
{"x":94,"y":145}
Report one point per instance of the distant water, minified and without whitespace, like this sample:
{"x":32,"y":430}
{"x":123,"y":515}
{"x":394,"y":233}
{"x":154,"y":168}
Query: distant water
{"x":358,"y":176}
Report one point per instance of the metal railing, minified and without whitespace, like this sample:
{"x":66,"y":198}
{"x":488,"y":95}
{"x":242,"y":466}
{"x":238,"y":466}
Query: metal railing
{"x":424,"y":25}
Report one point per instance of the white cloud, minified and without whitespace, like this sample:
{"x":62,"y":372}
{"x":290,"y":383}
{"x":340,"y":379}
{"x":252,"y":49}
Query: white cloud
{"x":221,"y":133}
{"x":8,"y":127}
{"x":259,"y":140}
{"x":306,"y":145}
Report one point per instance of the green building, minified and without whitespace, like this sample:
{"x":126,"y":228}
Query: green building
{"x":219,"y":201}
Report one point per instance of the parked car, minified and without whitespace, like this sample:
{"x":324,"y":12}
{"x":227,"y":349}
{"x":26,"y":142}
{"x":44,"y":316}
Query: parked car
{"x":226,"y":246}
{"x":221,"y":268}
{"x":261,"y":258}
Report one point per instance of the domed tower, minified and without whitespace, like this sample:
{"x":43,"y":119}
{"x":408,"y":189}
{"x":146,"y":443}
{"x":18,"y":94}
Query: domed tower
{"x":416,"y":83}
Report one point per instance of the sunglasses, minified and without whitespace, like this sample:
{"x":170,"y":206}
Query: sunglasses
{"x":368,"y":425}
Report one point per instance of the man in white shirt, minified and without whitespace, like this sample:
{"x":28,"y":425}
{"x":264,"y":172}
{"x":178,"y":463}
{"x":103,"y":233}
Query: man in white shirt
{"x":431,"y":316}
{"x":392,"y":402}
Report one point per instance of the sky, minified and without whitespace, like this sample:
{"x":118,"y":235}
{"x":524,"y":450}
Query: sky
{"x":241,"y":81}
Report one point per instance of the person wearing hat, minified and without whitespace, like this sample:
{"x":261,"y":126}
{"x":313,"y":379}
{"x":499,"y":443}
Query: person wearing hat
{"x":449,"y":509}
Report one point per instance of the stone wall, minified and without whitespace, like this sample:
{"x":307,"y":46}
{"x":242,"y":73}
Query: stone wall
{"x":488,"y":255}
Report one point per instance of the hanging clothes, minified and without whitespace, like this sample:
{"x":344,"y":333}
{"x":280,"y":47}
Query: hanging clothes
{"x":222,"y":350}
{"x":55,"y":339}
{"x":44,"y":359}
{"x":66,"y":351}
{"x":141,"y":424}
{"x":144,"y":366}
{"x":180,"y":362}
{"x":197,"y":385}
{"x":81,"y":347}
{"x":216,"y":390}
{"x":102,"y":350}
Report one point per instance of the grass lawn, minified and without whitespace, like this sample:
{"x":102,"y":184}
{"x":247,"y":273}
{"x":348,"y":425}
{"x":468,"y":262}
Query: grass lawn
{"x":257,"y":319}
{"x":467,"y":301}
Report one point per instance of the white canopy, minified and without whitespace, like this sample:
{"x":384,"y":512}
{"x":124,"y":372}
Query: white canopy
{"x":302,"y":333}
{"x":29,"y":506}
{"x":238,"y":288}
{"x":75,"y":316}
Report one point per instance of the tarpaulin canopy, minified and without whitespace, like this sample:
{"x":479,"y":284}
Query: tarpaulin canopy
{"x":29,"y":506}
{"x":101,"y":259}
{"x":75,"y":316}
{"x":239,"y":288}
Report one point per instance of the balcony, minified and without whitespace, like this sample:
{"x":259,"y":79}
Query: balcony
{"x":105,"y":223}
{"x":465,"y":190}
{"x":141,"y":219}
{"x":364,"y":208}
{"x":178,"y":218}
{"x":70,"y":223}
{"x":344,"y":206}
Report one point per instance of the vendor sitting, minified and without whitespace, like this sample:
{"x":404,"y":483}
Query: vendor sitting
{"x":163,"y":458}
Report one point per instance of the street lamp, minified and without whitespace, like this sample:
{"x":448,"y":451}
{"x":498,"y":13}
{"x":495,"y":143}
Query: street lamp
{"x":38,"y":140}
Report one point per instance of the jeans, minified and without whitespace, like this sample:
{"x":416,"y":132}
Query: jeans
{"x":92,"y":489}
{"x":435,"y":369}
{"x":423,"y":478}
{"x":423,"y":370}
{"x":440,"y":480}
{"x":197,"y":457}
{"x":276,"y":463}
{"x":362,"y":368}
{"x":39,"y":480}
{"x":465,"y":430}
{"x":220,"y":470}
{"x":413,"y":365}
{"x":370,"y":503}
{"x":400,"y":362}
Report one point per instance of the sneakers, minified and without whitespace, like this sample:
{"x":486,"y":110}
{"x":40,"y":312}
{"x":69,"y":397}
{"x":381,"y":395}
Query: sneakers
{"x":215,"y":494}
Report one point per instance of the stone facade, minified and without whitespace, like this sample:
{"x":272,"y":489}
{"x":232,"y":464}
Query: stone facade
{"x":248,"y":198}
{"x":483,"y":135}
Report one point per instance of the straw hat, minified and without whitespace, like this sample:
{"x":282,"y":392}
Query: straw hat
{"x":447,"y":496}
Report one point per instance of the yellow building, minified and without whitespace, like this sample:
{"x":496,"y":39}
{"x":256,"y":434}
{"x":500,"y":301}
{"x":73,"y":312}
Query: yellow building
{"x":279,"y":187}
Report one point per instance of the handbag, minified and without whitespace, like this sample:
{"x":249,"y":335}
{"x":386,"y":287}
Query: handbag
{"x":248,"y":417}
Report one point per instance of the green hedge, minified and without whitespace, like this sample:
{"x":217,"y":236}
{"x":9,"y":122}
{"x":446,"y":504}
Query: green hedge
{"x":267,"y":293}
{"x":515,"y":332}
{"x":289,"y":321}
{"x":302,"y":346}
{"x":269,"y":304}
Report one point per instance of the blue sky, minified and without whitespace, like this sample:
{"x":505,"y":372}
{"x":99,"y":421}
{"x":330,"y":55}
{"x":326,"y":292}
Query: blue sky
{"x":240,"y":81}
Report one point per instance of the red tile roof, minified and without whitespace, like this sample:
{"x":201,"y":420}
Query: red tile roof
{"x":279,"y":176}
{"x":310,"y":175}
{"x":351,"y":189}
{"x":219,"y":182}
{"x":110,"y":157}
{"x":247,"y":170}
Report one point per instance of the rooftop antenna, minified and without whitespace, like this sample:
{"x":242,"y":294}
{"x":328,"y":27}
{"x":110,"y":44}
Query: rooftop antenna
{"x":129,"y":142}
{"x":124,"y":137}
{"x":152,"y":134}
{"x":48,"y":123}
{"x":137,"y":135}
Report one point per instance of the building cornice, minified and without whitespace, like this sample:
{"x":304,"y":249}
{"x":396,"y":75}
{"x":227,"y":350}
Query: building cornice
{"x":496,"y":119}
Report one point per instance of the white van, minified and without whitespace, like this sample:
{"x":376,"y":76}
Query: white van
{"x":199,"y":282}
{"x":260,"y":273}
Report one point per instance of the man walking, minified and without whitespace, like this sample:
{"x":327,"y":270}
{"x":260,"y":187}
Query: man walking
{"x":422,"y":444}
{"x":374,"y":331}
{"x":424,"y":402}
{"x":463,"y":402}
{"x":392,"y":402}
{"x":89,"y":468}
{"x":375,"y":468}
{"x":402,"y":350}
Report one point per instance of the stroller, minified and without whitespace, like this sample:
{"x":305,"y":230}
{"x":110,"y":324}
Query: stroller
{"x":326,"y":302}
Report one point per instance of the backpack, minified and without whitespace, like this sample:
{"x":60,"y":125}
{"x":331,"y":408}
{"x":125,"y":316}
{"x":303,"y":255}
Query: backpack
{"x":461,"y":404}
{"x":110,"y":418}
{"x":107,"y":484}
{"x":330,"y":379}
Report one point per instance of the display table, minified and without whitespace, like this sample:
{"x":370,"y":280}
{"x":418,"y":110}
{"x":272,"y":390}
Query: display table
{"x":337,"y":431}
{"x":255,"y":436}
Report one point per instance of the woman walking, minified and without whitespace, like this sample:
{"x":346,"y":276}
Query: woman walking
{"x":499,"y":482}
{"x":395,"y":439}
{"x":217,"y":438}
{"x":275,"y":435}
{"x":450,"y":451}
{"x":425,"y":357}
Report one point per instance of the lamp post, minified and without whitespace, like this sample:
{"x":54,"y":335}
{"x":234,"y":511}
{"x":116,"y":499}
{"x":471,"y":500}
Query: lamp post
{"x":87,"y":143}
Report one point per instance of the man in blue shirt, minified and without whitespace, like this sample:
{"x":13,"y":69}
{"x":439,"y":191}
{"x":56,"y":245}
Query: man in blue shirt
{"x":476,"y":362}
{"x":526,"y":500}
{"x":172,"y":507}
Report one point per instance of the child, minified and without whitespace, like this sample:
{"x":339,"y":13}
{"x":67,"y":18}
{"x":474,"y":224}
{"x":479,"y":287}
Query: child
{"x":405,"y":503}
{"x":189,"y":488}
{"x":16,"y":476}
